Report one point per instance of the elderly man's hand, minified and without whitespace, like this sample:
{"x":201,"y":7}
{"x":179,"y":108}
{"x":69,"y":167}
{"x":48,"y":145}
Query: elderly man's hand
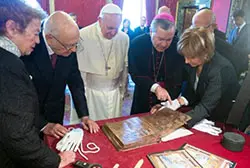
{"x":162,"y":94}
{"x":55,"y":130}
{"x":89,"y":124}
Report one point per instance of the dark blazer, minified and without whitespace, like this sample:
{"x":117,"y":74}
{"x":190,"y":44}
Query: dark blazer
{"x":241,"y":42}
{"x":138,"y":31}
{"x":142,"y":72}
{"x":229,"y":52}
{"x":216,"y":90}
{"x":20,"y":145}
{"x":50,"y":83}
{"x":220,"y":34}
{"x":130,"y":34}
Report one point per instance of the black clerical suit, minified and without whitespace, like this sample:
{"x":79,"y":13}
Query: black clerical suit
{"x":239,"y":62}
{"x":240,"y":42}
{"x":139,"y":31}
{"x":130,"y":34}
{"x":50,"y":83}
{"x":216,"y":89}
{"x":143,"y":69}
{"x":20,"y":145}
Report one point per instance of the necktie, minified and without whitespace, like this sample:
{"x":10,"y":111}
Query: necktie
{"x":238,"y":31}
{"x":53,"y":60}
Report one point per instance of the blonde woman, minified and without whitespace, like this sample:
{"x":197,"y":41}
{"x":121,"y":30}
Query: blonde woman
{"x":211,"y":84}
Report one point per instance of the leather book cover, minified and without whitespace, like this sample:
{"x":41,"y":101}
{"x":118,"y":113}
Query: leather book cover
{"x":140,"y":131}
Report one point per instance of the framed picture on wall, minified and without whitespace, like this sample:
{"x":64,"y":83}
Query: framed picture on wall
{"x":189,"y":12}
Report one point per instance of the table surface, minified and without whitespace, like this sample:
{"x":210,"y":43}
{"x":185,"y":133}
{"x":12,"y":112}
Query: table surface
{"x":108,"y":156}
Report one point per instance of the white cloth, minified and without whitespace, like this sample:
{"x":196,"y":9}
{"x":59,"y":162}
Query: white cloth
{"x":153,"y":87}
{"x":196,"y":82}
{"x":103,"y":102}
{"x":175,"y":103}
{"x":71,"y":140}
{"x":207,"y":127}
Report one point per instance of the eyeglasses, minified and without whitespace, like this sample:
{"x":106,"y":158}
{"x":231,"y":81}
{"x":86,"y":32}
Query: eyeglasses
{"x":77,"y":45}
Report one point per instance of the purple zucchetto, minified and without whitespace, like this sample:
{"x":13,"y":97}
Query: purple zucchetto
{"x":165,"y":16}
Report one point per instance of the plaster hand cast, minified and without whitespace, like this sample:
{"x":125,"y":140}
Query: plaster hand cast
{"x":72,"y":141}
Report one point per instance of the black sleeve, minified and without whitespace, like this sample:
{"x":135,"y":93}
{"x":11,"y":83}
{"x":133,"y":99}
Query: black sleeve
{"x":138,"y":65}
{"x":77,"y":89}
{"x":237,"y":57}
{"x":211,"y":97}
{"x":19,"y":137}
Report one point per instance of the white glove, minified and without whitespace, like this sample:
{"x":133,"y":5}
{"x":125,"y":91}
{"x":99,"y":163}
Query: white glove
{"x":70,"y":141}
{"x":175,"y":103}
{"x":208,"y":127}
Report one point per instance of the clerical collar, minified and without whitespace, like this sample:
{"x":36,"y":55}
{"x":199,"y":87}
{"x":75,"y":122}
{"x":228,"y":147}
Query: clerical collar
{"x":50,"y":51}
{"x":241,"y":26}
{"x":9,"y":45}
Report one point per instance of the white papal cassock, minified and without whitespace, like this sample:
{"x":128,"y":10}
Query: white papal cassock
{"x":103,"y":65}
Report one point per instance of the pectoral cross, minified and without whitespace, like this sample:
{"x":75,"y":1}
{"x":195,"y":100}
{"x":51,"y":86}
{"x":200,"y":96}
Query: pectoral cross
{"x":107,"y":68}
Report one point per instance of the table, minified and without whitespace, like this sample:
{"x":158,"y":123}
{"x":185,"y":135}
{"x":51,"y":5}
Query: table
{"x":108,"y":156}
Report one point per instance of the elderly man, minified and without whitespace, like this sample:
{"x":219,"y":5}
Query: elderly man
{"x":164,"y":9}
{"x":155,"y":66}
{"x":239,"y":36}
{"x":206,"y":18}
{"x":142,"y":29}
{"x":52,"y":65}
{"x":103,"y":63}
{"x":20,"y":145}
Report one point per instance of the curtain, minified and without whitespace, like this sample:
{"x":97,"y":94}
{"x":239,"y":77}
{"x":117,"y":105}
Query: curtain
{"x":169,"y":3}
{"x":119,"y":3}
{"x":87,"y":12}
{"x":44,"y":4}
{"x":150,"y":10}
{"x":162,"y":3}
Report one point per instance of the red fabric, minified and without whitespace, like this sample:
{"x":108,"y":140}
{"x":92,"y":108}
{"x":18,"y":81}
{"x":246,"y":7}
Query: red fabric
{"x":150,"y":10}
{"x":221,"y":8}
{"x":87,"y":11}
{"x":108,"y":156}
{"x":119,"y":3}
{"x":172,"y":4}
{"x":44,"y":4}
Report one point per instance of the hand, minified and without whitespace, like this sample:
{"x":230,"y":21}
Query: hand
{"x":66,"y":158}
{"x":55,"y":130}
{"x":155,"y":108}
{"x":90,"y":125}
{"x":162,"y":94}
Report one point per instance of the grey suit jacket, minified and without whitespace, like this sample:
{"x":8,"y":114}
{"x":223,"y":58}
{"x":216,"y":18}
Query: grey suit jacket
{"x":216,"y":89}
